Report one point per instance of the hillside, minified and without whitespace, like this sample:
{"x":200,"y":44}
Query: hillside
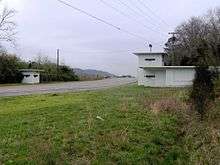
{"x":88,"y":74}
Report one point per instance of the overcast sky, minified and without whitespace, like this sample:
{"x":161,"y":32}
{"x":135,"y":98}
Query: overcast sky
{"x":45,"y":25}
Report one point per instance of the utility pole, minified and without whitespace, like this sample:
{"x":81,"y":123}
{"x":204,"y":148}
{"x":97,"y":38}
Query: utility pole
{"x":58,"y":62}
{"x":173,"y":40}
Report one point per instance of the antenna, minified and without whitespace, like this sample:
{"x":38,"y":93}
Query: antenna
{"x":150,"y":46}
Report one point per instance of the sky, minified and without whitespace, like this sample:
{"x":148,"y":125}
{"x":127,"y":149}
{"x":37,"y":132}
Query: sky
{"x":43,"y":26}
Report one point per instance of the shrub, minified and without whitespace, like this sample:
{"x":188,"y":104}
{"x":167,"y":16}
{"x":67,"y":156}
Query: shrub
{"x":50,"y":73}
{"x":67,"y":74}
{"x":203,"y":92}
{"x":9,"y":65}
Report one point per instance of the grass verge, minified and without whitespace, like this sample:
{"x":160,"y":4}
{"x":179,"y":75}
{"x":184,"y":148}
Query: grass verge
{"x":114,"y":126}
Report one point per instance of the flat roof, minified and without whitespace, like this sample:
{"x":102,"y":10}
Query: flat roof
{"x":149,"y":53}
{"x":31,"y":70}
{"x":168,"y":67}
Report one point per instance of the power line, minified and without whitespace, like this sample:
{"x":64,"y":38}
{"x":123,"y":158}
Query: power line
{"x":127,"y":16}
{"x":88,"y":14}
{"x":146,"y":15}
{"x":130,"y":8}
{"x":101,"y":20}
{"x":114,"y":8}
{"x":143,"y":13}
{"x":152,"y":12}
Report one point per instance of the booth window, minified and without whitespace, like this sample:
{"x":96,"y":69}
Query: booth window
{"x":150,"y":76}
{"x":150,"y":59}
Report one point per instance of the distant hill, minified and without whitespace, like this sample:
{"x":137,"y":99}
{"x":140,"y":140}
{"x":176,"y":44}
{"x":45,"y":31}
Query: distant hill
{"x":91,"y":74}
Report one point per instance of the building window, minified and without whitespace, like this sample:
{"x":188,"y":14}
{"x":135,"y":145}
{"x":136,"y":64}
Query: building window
{"x":26,"y":75}
{"x":150,"y":59}
{"x":150,"y":76}
{"x":35,"y":76}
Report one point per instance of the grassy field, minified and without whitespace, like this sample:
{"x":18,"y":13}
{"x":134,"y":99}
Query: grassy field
{"x":125,"y":125}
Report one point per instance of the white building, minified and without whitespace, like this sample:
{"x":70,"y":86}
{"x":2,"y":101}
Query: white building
{"x":31,"y":76}
{"x":153,"y":73}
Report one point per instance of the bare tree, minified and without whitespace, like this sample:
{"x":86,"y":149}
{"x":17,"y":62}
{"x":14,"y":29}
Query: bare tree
{"x":7,"y":25}
{"x":189,"y":36}
{"x":213,"y":36}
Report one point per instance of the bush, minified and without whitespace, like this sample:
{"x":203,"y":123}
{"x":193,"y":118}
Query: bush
{"x":203,"y":92}
{"x":9,"y":69}
{"x":50,"y":72}
{"x":65,"y":73}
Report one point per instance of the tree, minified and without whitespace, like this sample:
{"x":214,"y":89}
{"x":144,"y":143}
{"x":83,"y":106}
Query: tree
{"x":9,"y":68}
{"x":203,"y":93}
{"x":50,"y":70}
{"x":189,"y":36}
{"x":7,"y":25}
{"x":197,"y":43}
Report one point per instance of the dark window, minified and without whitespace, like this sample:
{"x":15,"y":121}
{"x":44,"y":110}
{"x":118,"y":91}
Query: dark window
{"x":150,"y":59}
{"x":26,"y":75}
{"x":35,"y":76}
{"x":150,"y":76}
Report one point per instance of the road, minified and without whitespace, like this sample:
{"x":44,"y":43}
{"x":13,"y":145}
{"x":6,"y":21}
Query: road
{"x":64,"y":87}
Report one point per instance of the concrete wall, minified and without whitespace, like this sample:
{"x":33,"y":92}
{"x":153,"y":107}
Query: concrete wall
{"x":141,"y":78}
{"x":180,"y":77}
{"x":143,"y":60}
{"x":166,"y":77}
{"x":145,"y":77}
{"x":31,"y":78}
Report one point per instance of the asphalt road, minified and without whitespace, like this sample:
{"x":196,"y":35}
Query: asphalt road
{"x":64,"y":87}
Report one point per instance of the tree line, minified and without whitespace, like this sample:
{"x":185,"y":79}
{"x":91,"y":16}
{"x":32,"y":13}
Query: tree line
{"x":11,"y":64}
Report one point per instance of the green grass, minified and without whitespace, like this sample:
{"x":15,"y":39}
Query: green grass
{"x":64,"y":129}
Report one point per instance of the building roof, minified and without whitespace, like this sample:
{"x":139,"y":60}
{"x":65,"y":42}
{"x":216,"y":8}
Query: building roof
{"x":149,"y":53}
{"x":168,"y":67}
{"x":31,"y":70}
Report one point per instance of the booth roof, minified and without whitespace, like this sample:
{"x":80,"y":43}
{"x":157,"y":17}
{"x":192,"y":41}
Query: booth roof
{"x":31,"y":70}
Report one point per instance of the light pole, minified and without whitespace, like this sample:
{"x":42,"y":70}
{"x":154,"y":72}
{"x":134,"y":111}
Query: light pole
{"x":58,"y":62}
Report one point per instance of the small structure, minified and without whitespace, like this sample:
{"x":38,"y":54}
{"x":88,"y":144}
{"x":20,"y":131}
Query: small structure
{"x":152,"y":72}
{"x":31,"y":76}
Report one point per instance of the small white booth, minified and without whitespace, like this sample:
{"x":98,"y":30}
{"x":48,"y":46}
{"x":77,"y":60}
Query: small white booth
{"x":31,"y":76}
